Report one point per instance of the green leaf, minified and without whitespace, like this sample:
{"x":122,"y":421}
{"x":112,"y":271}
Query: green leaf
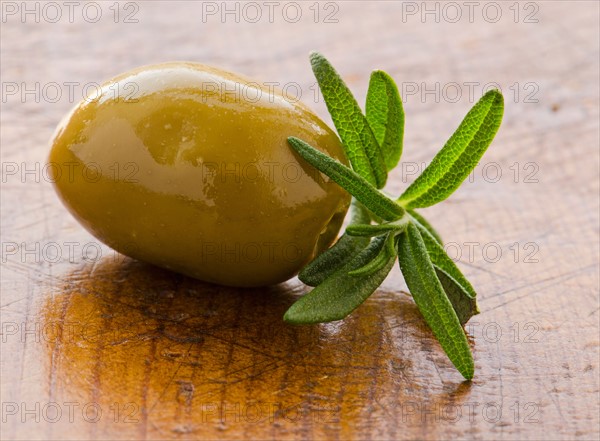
{"x":332,"y":259}
{"x":329,"y":261}
{"x":464,"y":306}
{"x":440,"y":259}
{"x":349,"y":180}
{"x":387,"y":252}
{"x":385,"y":115}
{"x":457,"y":287}
{"x":432,"y":301}
{"x":459,"y":156}
{"x":420,"y":219}
{"x":378,"y":229}
{"x":340,"y":294}
{"x":360,"y":144}
{"x":369,"y":230}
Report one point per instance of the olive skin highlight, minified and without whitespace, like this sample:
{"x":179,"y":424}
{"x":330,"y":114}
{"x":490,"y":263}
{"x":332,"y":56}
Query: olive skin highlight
{"x":187,"y":167}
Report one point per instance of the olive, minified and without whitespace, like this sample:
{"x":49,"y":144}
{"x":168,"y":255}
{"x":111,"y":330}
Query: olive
{"x":187,"y":167}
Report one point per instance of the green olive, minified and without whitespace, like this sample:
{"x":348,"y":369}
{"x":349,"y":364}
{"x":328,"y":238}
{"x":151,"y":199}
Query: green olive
{"x":187,"y":167}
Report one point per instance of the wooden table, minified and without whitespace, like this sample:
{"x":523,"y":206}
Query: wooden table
{"x":108,"y":348}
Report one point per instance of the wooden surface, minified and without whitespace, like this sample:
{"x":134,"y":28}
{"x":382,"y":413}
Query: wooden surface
{"x":165,"y":357}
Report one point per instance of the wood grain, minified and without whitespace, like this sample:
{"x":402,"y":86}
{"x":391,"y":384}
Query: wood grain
{"x":167,"y":357}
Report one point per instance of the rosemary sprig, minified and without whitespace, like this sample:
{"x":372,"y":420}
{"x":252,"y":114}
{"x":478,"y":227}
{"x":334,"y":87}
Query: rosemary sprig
{"x":383,"y":229}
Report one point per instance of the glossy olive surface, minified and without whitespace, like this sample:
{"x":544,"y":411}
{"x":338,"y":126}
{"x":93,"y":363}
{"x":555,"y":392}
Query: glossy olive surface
{"x":187,"y":167}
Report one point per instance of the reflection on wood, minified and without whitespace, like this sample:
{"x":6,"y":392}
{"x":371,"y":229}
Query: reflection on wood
{"x":162,"y":353}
